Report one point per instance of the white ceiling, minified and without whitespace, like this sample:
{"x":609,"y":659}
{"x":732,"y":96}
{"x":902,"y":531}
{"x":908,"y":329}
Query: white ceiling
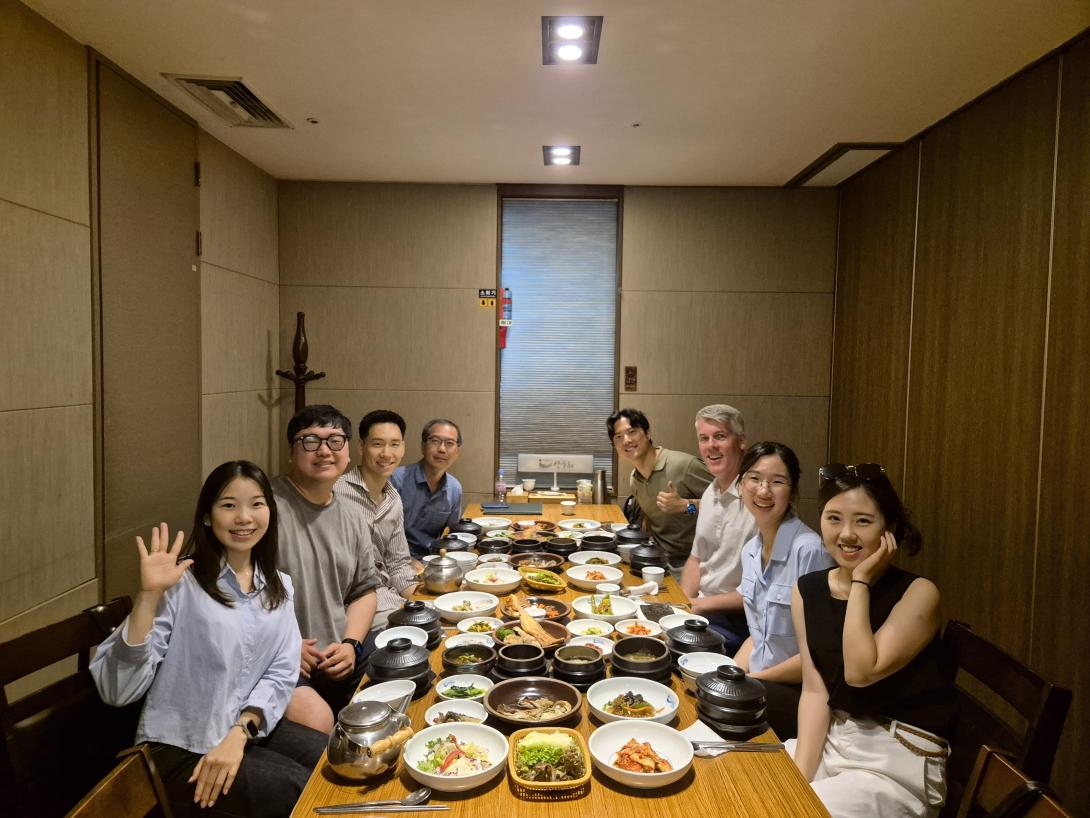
{"x":726,"y":92}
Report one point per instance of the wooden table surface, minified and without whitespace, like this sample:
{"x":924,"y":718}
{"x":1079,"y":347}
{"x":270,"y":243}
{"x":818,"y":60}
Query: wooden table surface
{"x":734,"y":785}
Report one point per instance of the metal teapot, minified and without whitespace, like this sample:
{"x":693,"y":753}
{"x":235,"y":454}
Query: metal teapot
{"x":367,"y":739}
{"x":443,"y":575}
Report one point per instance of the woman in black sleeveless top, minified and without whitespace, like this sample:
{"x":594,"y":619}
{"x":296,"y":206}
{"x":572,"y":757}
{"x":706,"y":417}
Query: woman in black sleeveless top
{"x":877,"y":691}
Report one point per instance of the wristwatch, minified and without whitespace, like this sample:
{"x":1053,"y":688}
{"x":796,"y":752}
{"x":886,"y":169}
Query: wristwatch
{"x":690,"y":509}
{"x":248,"y":727}
{"x":357,"y":646}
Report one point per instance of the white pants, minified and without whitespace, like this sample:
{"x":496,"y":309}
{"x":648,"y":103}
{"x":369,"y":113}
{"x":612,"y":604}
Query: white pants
{"x":865,"y":772}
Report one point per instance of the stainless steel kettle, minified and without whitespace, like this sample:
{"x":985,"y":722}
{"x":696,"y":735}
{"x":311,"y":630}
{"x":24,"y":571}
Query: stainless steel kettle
{"x":443,"y":575}
{"x":366,"y":740}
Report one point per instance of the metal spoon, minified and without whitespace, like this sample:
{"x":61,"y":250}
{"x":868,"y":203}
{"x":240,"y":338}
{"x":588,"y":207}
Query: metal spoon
{"x":411,"y":800}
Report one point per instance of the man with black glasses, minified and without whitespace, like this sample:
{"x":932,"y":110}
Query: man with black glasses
{"x":432,"y":498}
{"x":325,"y":547}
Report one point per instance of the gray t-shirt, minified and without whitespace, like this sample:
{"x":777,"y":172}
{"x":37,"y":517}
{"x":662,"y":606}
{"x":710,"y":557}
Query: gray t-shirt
{"x":326,"y":550}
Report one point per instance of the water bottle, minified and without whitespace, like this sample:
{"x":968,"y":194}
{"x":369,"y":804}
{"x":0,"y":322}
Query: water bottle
{"x":501,"y":488}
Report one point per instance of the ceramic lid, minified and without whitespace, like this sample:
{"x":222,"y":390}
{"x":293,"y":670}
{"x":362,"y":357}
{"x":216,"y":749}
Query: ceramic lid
{"x":398,"y":654}
{"x":729,"y":683}
{"x":694,"y":635}
{"x":633,"y":533}
{"x":416,"y":613}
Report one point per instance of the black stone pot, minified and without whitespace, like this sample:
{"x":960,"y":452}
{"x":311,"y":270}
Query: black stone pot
{"x":693,"y":636}
{"x":633,"y":534}
{"x":493,"y":545}
{"x":645,"y":556}
{"x":578,"y":674}
{"x":448,"y":544}
{"x":466,"y":526}
{"x":486,"y":659}
{"x":419,"y":615}
{"x":657,"y":669}
{"x":562,"y":546}
{"x":401,"y":659}
{"x":519,"y":660}
{"x":731,"y":703}
{"x":525,"y":545}
{"x":597,"y":541}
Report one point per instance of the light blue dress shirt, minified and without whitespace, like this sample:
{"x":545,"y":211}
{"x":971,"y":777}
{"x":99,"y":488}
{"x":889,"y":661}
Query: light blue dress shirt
{"x":203,"y":663}
{"x":427,"y":513}
{"x":766,"y":590}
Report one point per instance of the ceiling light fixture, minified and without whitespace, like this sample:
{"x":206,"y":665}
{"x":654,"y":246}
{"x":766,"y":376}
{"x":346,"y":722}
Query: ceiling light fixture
{"x":561,"y":154}
{"x":568,"y":40}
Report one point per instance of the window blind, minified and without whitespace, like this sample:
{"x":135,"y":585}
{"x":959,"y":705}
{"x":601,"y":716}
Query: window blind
{"x":557,"y":372}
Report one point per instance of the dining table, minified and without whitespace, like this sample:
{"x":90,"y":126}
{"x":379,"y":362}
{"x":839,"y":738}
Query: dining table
{"x":732,"y":785}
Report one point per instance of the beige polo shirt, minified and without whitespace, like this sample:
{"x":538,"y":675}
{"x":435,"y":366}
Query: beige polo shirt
{"x":673,"y":532}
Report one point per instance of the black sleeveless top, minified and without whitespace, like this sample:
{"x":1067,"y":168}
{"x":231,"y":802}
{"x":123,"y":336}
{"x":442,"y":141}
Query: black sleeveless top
{"x":921,"y":693}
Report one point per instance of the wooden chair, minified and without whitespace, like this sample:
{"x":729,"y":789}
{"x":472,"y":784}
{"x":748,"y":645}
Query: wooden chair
{"x":61,"y":739}
{"x":1002,"y":684}
{"x":132,"y":789}
{"x":997,"y":789}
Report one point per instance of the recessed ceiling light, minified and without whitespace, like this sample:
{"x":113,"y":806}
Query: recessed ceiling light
{"x":561,"y":154}
{"x":567,"y":40}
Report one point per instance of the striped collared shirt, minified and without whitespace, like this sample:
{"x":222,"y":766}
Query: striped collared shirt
{"x":386,"y":519}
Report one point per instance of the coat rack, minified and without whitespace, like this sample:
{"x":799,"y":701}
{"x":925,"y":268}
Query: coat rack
{"x":299,"y":374}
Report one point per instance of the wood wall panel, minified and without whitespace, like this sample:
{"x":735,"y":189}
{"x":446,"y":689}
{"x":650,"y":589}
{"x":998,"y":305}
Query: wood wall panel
{"x":714,"y":239}
{"x":799,"y":422}
{"x":240,"y":347}
{"x":727,"y":342}
{"x":47,"y":531}
{"x":977,"y":351}
{"x":151,"y":358}
{"x":873,"y":314}
{"x":388,"y":235}
{"x":43,"y":105}
{"x":474,"y":412}
{"x":431,"y":339}
{"x":1060,"y":627}
{"x":45,"y":287}
{"x":242,"y":426}
{"x":238,"y":212}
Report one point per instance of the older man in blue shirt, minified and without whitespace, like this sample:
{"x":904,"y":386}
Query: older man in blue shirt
{"x":431,"y":497}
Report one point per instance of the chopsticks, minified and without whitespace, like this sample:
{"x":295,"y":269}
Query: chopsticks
{"x":738,"y":746}
{"x":369,"y":808}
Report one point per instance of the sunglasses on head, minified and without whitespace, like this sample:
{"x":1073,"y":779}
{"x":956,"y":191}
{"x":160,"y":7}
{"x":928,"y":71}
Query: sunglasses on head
{"x":863,"y":472}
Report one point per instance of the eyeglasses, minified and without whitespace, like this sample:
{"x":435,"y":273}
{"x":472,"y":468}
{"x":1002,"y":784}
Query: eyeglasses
{"x":863,"y":473}
{"x":442,"y":442}
{"x":312,"y":443}
{"x":754,"y":481}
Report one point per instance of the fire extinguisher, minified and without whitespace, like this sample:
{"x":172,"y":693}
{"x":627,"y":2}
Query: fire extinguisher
{"x":505,"y":316}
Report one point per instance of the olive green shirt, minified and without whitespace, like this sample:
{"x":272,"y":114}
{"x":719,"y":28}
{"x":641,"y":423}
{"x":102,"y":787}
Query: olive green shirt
{"x":673,"y":532}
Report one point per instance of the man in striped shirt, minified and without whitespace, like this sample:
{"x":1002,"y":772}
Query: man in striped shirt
{"x":381,"y":448}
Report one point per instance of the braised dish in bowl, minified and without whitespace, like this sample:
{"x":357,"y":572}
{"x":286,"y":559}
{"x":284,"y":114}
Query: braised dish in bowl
{"x":538,"y":561}
{"x":533,"y":700}
{"x":539,"y":607}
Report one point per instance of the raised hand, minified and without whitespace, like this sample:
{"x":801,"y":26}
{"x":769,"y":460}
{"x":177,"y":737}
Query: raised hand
{"x":159,"y":566}
{"x":871,"y":569}
{"x":669,"y":501}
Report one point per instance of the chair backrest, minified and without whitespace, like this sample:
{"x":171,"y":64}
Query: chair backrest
{"x":61,"y":739}
{"x":998,"y":789}
{"x":1041,"y":705}
{"x":132,"y":789}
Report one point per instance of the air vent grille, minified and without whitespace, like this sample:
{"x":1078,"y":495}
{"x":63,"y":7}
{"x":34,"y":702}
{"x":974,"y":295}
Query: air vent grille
{"x":231,"y":100}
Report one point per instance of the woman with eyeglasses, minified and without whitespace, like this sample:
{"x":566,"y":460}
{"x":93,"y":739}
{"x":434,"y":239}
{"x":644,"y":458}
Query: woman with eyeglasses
{"x":783,"y":549}
{"x":877,"y":688}
{"x":212,"y":641}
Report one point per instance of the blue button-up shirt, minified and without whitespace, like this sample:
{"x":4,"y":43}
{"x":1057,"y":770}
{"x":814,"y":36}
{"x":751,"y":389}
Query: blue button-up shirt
{"x":766,"y":590}
{"x":427,"y":512}
{"x":203,"y":663}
